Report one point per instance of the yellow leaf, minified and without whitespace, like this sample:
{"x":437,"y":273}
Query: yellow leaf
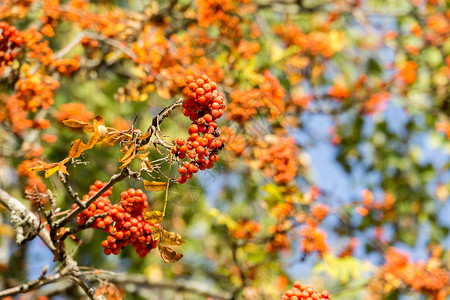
{"x":113,"y":137}
{"x":154,"y":216}
{"x":74,"y":123}
{"x":63,"y":168}
{"x":169,"y":255}
{"x":77,"y":148}
{"x":143,"y":147}
{"x":128,"y":154}
{"x":145,"y":135}
{"x":37,"y":166}
{"x":127,"y":162}
{"x":94,"y":139}
{"x":154,"y":186}
{"x":51,"y":171}
{"x":143,"y":156}
{"x":89,"y":128}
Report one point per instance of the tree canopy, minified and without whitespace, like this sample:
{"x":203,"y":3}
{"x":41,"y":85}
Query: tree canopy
{"x":225,"y":149}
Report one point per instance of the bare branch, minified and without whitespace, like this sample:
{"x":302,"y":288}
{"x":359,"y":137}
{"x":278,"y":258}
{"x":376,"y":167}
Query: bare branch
{"x":114,"y":179}
{"x":22,"y":219}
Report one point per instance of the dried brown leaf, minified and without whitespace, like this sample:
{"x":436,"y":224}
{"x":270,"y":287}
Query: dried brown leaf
{"x":169,"y":255}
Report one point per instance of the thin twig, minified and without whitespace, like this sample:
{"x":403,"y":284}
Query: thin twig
{"x":167,"y":187}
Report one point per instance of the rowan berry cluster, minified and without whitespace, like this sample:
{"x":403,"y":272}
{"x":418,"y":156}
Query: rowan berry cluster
{"x":339,"y":91}
{"x":301,"y":292}
{"x":313,"y":239}
{"x":246,"y":229}
{"x":428,"y":278}
{"x":203,"y":107}
{"x":100,"y":206}
{"x":124,"y":221}
{"x":277,"y":160}
{"x":10,"y":39}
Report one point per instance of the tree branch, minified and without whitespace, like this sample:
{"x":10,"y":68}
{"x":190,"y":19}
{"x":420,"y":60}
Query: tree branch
{"x":22,"y":219}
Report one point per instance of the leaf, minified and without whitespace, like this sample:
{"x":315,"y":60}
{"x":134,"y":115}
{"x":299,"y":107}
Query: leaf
{"x":89,"y":128}
{"x":171,"y":238}
{"x":51,"y":171}
{"x":41,"y":166}
{"x":169,"y":255}
{"x":94,"y":139}
{"x":63,"y":168}
{"x":154,"y":216}
{"x":143,"y":147}
{"x":128,"y":154}
{"x":113,"y":137}
{"x":37,"y":166}
{"x":98,"y":121}
{"x":74,"y":123}
{"x":145,"y":135}
{"x":127,"y":162}
{"x":154,"y":186}
{"x":77,"y":148}
{"x":143,"y":156}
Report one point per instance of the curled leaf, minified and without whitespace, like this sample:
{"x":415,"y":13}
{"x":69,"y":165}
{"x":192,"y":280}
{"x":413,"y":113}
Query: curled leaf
{"x":145,"y":135}
{"x":41,"y":166}
{"x":169,"y":255}
{"x":128,"y":153}
{"x":154,"y":186}
{"x":74,"y":123}
{"x":154,"y":216}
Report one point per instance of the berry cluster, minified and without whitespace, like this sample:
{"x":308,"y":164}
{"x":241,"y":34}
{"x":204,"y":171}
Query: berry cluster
{"x":10,"y":39}
{"x":130,"y":226}
{"x":203,"y":107}
{"x":301,"y":292}
{"x":124,"y":221}
{"x":246,"y":229}
{"x":99,"y":206}
{"x":424,"y":277}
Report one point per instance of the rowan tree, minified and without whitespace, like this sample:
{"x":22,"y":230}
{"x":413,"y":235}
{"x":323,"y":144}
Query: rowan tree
{"x":224,"y":149}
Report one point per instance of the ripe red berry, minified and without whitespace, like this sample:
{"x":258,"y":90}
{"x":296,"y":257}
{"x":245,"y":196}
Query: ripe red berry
{"x":193,"y":128}
{"x":180,"y":141}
